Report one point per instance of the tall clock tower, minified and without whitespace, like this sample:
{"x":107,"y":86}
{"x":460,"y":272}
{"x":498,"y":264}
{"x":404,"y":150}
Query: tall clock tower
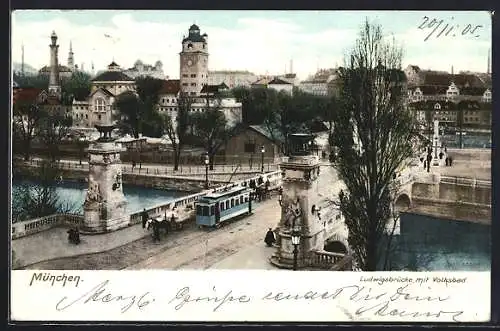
{"x":194,"y":62}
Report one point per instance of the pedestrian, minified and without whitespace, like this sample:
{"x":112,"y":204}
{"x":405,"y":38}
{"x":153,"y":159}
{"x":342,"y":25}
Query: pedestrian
{"x":269,"y":239}
{"x":145,"y":217}
{"x":450,"y":160}
{"x":156,"y":230}
{"x":441,"y":154}
{"x":280,"y":199}
{"x":446,"y":161}
{"x":133,"y":165}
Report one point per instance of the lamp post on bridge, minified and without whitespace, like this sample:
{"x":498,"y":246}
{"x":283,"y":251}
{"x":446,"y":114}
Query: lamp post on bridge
{"x":296,"y":242}
{"x":262,"y":151}
{"x":207,"y":161}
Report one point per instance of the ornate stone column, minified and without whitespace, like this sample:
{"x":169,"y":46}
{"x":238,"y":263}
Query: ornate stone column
{"x":105,"y":206}
{"x":301,"y":171}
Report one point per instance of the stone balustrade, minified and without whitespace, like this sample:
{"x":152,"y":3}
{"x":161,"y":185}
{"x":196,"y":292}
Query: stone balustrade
{"x":25,"y":228}
{"x":467,"y":181}
{"x":328,"y":260}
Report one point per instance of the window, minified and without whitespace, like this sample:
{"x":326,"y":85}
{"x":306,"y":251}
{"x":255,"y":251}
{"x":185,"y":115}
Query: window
{"x":184,"y":84}
{"x":192,"y":93}
{"x":198,"y":210}
{"x":205,"y":211}
{"x":227,"y":204}
{"x":193,"y":75}
{"x":212,"y":210}
{"x":222,"y":206}
{"x":249,"y":147}
{"x":193,"y":84}
{"x":86,"y":116}
{"x":163,"y":100}
{"x":168,"y":100}
{"x":190,"y":45}
{"x":232,"y":203}
{"x":99,"y":104}
{"x":99,"y":117}
{"x":185,"y":75}
{"x":120,"y":86}
{"x":241,"y":199}
{"x":437,"y":106}
{"x":236,"y":201}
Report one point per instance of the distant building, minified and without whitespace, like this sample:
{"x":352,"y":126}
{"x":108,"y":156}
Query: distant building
{"x":99,"y":106}
{"x":321,"y":83}
{"x":140,"y":69}
{"x":445,"y":97}
{"x":281,"y":85}
{"x":247,"y":145}
{"x":231,"y":78}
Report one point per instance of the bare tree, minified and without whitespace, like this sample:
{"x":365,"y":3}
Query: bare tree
{"x":176,"y":128}
{"x":374,"y":134}
{"x":27,"y":116}
{"x":53,"y":129}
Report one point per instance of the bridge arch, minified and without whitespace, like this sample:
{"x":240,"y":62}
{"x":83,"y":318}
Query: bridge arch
{"x":335,"y":247}
{"x":402,"y":202}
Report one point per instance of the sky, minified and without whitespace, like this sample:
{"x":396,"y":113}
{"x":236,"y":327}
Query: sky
{"x":263,"y":42}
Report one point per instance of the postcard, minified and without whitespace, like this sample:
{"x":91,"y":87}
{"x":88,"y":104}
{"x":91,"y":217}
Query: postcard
{"x":302,"y":166}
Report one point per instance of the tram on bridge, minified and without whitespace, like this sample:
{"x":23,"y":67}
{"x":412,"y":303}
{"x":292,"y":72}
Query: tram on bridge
{"x":216,"y":208}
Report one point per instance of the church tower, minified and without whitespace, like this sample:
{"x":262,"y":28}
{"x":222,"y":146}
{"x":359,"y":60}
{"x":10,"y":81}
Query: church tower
{"x":194,"y":62}
{"x":54,"y":82}
{"x":71,"y":60}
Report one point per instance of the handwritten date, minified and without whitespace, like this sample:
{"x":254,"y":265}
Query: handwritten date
{"x":445,"y":29}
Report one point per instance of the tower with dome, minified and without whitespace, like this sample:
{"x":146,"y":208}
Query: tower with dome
{"x":194,"y":62}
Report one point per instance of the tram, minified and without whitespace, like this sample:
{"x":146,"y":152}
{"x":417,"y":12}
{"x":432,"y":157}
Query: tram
{"x":215,"y":208}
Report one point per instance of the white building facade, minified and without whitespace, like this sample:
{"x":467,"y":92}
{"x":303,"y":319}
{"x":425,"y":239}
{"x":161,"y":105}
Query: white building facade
{"x":231,"y":78}
{"x":141,"y":69}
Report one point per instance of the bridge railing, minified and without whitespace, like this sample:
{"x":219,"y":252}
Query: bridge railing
{"x":466,"y":181}
{"x":25,"y":228}
{"x":328,"y":260}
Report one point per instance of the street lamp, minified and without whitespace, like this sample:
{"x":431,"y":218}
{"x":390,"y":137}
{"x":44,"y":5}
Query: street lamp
{"x":262,"y":151}
{"x":207,"y":161}
{"x":296,"y":243}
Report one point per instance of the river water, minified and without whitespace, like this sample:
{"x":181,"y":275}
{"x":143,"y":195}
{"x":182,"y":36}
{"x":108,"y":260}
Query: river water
{"x":436,"y":244}
{"x":73,"y":193}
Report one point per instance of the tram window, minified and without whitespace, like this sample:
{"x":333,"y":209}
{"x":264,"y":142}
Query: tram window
{"x":241,"y":199}
{"x":222,"y":206}
{"x":205,"y":210}
{"x":227,"y":204}
{"x":212,"y":210}
{"x":232,"y":203}
{"x":198,"y":210}
{"x":246,"y":198}
{"x":236,"y":201}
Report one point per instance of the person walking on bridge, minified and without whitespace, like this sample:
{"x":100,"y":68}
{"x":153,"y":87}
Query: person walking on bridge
{"x":145,"y":217}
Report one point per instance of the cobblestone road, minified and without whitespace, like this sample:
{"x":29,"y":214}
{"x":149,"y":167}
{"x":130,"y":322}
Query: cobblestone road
{"x":190,"y":248}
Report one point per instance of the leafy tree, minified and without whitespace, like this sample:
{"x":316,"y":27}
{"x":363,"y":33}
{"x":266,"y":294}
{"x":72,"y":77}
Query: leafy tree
{"x":176,"y":128}
{"x":374,"y":133}
{"x":77,"y":86}
{"x":210,"y":127}
{"x":27,"y":117}
{"x":53,"y":129}
{"x":137,"y":112}
{"x":36,"y":81}
{"x":128,"y":117}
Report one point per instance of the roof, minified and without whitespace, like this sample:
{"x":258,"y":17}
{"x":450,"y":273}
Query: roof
{"x":213,"y":88}
{"x":460,"y":80}
{"x":278,"y":81}
{"x":290,"y":75}
{"x":194,"y":35}
{"x":103,"y":90}
{"x":112,"y":76}
{"x":263,"y":130}
{"x":46,"y":69}
{"x":218,"y":194}
{"x":170,"y":86}
{"x":29,"y":94}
